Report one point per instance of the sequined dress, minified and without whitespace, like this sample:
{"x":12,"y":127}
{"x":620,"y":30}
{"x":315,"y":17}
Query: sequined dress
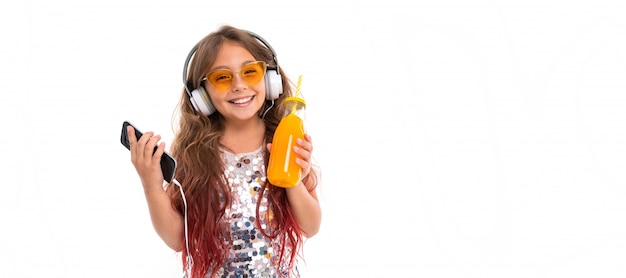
{"x":251,"y":253}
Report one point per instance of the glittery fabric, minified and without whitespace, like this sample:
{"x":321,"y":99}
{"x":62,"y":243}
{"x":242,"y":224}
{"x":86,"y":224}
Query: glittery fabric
{"x":251,"y":253}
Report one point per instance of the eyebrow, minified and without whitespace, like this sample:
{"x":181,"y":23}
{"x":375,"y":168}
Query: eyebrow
{"x":225,"y":67}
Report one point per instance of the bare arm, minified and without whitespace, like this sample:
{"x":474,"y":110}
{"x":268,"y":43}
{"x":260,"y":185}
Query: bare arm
{"x":305,"y":207}
{"x":303,"y":197}
{"x":167,"y":222}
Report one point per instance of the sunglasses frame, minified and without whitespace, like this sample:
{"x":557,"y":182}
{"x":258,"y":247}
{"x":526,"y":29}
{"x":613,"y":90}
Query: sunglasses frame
{"x":264,"y":67}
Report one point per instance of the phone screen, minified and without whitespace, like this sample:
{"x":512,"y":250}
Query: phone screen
{"x":168,"y":163}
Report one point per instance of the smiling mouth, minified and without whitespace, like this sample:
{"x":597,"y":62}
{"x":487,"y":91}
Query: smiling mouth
{"x":241,"y":100}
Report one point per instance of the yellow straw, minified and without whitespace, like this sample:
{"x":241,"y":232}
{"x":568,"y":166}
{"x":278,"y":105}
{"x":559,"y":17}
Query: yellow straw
{"x":293,"y":108}
{"x":298,"y":86}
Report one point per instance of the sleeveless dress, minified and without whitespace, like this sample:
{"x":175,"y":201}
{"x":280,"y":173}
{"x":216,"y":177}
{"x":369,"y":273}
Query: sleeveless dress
{"x":251,"y":253}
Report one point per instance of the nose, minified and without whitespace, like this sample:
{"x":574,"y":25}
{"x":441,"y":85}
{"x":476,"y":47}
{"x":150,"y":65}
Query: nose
{"x":238,"y":83}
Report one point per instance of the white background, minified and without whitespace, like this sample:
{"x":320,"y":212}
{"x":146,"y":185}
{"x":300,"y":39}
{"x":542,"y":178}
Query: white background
{"x":456,"y":139}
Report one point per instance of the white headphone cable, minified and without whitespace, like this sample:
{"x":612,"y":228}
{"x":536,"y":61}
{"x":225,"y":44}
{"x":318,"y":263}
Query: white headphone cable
{"x":189,"y":258}
{"x":267,"y":110}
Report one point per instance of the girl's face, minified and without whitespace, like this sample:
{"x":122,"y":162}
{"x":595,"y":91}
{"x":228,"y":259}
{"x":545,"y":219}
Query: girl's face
{"x":241,"y":101}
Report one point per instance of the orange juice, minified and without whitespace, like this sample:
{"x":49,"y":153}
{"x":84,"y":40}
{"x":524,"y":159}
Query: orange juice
{"x":282,"y":169}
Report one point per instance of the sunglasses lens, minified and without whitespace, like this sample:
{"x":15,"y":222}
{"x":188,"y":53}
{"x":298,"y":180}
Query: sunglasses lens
{"x":253,"y":73}
{"x":221,"y":79}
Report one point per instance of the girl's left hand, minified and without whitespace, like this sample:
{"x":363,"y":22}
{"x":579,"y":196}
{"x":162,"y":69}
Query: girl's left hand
{"x":304,"y":150}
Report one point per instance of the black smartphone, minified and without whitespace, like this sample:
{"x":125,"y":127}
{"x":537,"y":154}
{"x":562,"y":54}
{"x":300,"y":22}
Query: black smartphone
{"x":168,"y":163}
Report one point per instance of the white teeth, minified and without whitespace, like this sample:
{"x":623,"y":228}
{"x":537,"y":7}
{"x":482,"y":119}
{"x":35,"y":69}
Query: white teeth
{"x":241,"y":100}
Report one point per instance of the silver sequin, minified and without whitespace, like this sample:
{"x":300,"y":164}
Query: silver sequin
{"x":251,"y":253}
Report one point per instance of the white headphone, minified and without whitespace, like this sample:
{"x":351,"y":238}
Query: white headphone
{"x":200,"y":98}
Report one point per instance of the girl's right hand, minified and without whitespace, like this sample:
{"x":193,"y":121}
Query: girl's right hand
{"x":147,"y":162}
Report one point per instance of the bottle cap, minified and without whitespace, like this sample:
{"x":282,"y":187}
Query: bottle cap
{"x":297,"y":99}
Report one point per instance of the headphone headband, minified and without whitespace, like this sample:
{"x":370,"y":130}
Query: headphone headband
{"x":191,"y":53}
{"x":268,"y":47}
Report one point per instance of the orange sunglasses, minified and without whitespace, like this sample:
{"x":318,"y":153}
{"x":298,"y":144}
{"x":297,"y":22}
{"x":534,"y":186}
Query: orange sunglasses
{"x":251,"y":74}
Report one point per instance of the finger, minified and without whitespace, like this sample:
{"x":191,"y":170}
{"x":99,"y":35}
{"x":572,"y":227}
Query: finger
{"x":148,"y":151}
{"x":131,"y":134}
{"x":132,"y":142}
{"x":269,"y":147}
{"x":302,"y":153}
{"x":159,"y":151}
{"x":156,"y":162}
{"x":145,"y":137}
{"x":305,"y":165}
{"x":141,"y":144}
{"x":304,"y":144}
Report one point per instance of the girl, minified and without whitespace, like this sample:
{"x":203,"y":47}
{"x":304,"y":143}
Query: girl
{"x":238,"y":224}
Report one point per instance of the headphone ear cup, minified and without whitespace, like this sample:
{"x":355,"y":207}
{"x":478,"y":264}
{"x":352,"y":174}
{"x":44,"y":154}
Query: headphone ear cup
{"x":273,"y":84}
{"x":201,"y":102}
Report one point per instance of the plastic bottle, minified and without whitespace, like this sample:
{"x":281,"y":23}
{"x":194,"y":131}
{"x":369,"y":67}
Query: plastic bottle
{"x":282,"y":170}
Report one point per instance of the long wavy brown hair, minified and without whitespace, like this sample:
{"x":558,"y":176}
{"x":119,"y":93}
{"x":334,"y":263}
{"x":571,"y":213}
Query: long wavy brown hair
{"x":200,"y":168}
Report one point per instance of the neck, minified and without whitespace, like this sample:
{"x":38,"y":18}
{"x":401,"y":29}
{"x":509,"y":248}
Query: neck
{"x":244,"y":136}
